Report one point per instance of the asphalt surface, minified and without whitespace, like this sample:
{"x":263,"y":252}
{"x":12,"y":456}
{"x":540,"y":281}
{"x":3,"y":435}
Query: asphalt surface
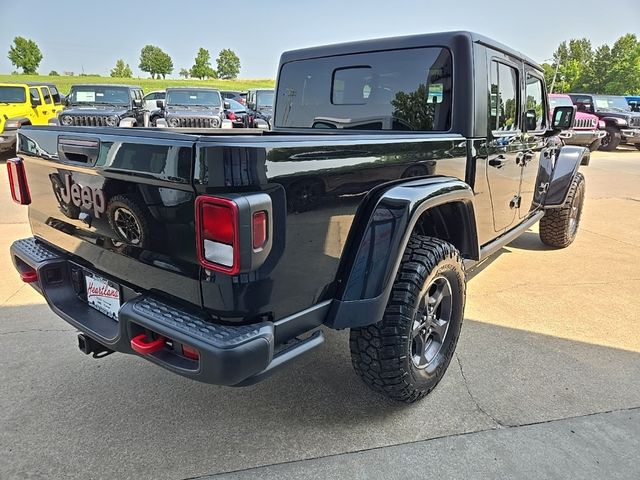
{"x":545,"y":383}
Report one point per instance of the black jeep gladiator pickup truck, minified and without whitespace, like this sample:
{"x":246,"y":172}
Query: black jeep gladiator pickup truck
{"x":393,"y":167}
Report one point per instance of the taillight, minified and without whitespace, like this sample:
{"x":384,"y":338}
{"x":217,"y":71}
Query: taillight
{"x":234,"y":233}
{"x":217,"y":234}
{"x":18,"y":181}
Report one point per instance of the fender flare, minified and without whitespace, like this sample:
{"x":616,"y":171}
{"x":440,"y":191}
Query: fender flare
{"x":381,"y":231}
{"x":566,"y":165}
{"x":615,"y":121}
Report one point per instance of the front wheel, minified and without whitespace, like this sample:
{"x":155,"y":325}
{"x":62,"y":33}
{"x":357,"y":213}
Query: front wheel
{"x":559,"y":226}
{"x":611,"y":140}
{"x":406,"y":354}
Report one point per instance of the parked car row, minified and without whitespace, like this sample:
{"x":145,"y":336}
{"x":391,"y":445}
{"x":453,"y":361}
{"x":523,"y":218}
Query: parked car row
{"x":108,"y":105}
{"x":602,"y":121}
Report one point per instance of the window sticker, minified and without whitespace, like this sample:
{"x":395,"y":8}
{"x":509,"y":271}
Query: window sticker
{"x":86,"y":96}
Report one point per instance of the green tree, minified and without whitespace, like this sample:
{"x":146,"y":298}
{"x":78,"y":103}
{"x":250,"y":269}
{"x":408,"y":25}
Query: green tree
{"x":53,"y":73}
{"x":624,"y":75}
{"x":202,"y":66}
{"x":25,"y":54}
{"x":121,"y":70}
{"x":414,"y":108}
{"x":154,"y":61}
{"x":572,"y":60}
{"x":228,"y":64}
{"x":184,"y":72}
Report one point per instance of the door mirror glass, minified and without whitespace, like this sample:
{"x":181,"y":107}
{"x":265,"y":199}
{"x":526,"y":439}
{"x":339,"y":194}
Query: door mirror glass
{"x":227,"y":105}
{"x":35,"y":102}
{"x":160,"y":104}
{"x":137,"y":103}
{"x":563,"y":117}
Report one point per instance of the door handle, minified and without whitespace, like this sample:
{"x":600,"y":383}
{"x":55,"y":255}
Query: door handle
{"x":498,"y":162}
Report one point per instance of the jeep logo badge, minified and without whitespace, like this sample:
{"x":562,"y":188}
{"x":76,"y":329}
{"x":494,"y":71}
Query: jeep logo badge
{"x":83,"y":197}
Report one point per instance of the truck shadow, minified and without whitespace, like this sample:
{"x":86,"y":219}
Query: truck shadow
{"x":129,"y":408}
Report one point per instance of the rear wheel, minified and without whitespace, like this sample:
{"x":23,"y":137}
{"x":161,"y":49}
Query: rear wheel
{"x":559,"y":226}
{"x":406,"y":354}
{"x":611,"y":140}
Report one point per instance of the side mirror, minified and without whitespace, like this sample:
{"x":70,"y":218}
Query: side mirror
{"x":563,"y":118}
{"x":36,"y":102}
{"x":227,"y":105}
{"x":531,"y":121}
{"x":66,"y":101}
{"x":137,"y":103}
{"x":251,"y":105}
{"x":160,"y":104}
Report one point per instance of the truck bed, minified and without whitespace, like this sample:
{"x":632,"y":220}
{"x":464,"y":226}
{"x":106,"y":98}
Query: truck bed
{"x":317,"y":180}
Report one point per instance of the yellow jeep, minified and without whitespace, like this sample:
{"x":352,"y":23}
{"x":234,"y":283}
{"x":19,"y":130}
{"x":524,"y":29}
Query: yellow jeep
{"x":25,"y":104}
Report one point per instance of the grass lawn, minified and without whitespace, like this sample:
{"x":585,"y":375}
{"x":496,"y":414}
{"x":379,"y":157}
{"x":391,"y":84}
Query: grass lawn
{"x":64,"y":83}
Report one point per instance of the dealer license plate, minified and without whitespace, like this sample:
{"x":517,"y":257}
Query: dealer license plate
{"x":102,"y":295}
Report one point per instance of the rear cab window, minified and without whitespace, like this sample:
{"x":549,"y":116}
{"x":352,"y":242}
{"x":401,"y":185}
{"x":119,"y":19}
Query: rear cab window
{"x":409,"y":90}
{"x":46,"y":95}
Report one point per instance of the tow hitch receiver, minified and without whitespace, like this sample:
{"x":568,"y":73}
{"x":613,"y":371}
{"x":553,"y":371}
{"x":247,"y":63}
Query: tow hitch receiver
{"x":140,"y":344}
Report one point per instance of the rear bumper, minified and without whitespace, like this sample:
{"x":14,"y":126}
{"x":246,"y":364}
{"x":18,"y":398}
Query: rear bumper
{"x":582,"y":137}
{"x":227,"y":355}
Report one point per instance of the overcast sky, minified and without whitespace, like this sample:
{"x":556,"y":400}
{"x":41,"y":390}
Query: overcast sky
{"x":89,"y":36}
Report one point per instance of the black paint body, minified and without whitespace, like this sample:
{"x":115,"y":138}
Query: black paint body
{"x":344,"y":202}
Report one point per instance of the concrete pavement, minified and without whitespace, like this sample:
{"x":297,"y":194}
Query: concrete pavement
{"x":549,"y":335}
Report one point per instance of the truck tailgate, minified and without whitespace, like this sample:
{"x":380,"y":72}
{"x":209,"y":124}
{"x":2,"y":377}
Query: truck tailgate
{"x":122,"y":204}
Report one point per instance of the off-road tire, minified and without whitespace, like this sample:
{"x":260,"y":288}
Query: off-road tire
{"x":556,"y":227}
{"x":143,"y":219}
{"x":637,"y":145}
{"x":382,"y":353}
{"x":611,"y":141}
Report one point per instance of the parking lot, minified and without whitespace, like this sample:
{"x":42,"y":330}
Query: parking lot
{"x":549,"y":357}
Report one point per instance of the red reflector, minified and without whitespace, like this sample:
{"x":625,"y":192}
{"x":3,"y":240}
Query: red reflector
{"x":29,"y":276}
{"x":217,"y":223}
{"x":259,"y":229}
{"x":18,"y":181}
{"x":140,"y":344}
{"x":190,"y":352}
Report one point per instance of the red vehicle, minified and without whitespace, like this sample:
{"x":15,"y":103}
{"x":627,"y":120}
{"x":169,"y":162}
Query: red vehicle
{"x":587,"y":131}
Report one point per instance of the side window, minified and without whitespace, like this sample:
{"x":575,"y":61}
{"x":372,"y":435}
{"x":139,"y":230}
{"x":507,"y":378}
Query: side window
{"x":46,"y":95}
{"x":35,"y":96}
{"x":535,"y":113}
{"x":503,"y":114}
{"x":56,"y":95}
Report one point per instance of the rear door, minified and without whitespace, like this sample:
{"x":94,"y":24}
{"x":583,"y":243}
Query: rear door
{"x":47,"y":107}
{"x":122,"y":205}
{"x":505,"y":139}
